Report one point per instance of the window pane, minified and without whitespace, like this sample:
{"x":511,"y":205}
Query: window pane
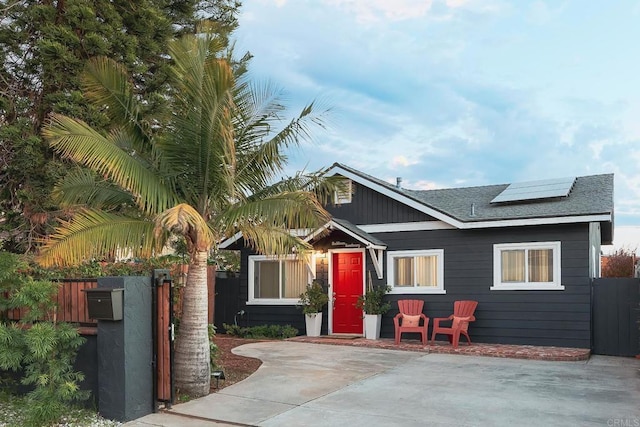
{"x":427,"y":270}
{"x":541,"y":265}
{"x":512,"y":266}
{"x":266,"y":280}
{"x":294,"y":279}
{"x":403,"y":270}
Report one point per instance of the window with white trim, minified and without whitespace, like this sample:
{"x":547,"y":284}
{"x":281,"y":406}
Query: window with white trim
{"x":416,"y":272}
{"x":343,"y":194}
{"x":277,"y":280}
{"x":526,"y":266}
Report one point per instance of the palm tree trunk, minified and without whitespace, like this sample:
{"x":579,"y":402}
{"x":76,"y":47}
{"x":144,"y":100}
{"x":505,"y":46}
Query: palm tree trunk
{"x":192,"y":369}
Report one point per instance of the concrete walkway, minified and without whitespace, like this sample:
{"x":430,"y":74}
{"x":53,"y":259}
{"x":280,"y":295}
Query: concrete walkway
{"x":303,"y":384}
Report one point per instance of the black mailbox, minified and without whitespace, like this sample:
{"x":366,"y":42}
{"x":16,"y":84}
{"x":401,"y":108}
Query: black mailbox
{"x":105,"y":303}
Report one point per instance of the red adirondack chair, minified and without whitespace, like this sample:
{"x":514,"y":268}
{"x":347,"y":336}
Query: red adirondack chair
{"x":409,"y":319}
{"x":462,"y":315}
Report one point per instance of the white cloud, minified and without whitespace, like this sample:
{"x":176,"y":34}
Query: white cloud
{"x":478,"y":6}
{"x":567,"y":133}
{"x":597,"y":147}
{"x":371,"y":11}
{"x":631,"y":122}
{"x":402,"y":161}
{"x":457,"y":3}
{"x":541,"y":12}
{"x":467,"y":129}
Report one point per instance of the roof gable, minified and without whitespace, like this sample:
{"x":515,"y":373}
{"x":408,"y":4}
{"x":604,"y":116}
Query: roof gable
{"x":590,"y":200}
{"x":388,"y":190}
{"x":368,"y":206}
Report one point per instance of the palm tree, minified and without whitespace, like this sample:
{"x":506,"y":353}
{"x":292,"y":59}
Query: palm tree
{"x":206,"y":170}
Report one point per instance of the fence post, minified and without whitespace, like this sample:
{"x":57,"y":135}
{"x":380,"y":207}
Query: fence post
{"x":125,"y":354}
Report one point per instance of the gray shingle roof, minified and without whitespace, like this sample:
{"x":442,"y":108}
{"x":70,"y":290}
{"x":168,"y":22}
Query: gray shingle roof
{"x":591,"y":195}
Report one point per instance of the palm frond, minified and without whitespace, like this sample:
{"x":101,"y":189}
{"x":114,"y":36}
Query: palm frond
{"x":106,"y":83}
{"x":202,"y":146}
{"x":322,"y":186}
{"x":272,"y":240}
{"x":76,"y":140}
{"x":84,"y":187}
{"x":287,"y":210}
{"x":264,"y":139}
{"x":95,"y":234}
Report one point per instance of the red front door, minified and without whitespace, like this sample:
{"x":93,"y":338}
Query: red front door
{"x":347,"y":287}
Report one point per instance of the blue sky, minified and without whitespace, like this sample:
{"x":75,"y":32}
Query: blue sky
{"x":450,"y":93}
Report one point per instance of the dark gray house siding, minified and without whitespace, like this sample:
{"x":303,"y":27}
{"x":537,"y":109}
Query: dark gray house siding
{"x":370,"y":207}
{"x":465,"y":225}
{"x":554,"y":318}
{"x":559,"y":318}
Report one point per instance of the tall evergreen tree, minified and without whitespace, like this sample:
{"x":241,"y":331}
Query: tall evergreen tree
{"x":44,"y":46}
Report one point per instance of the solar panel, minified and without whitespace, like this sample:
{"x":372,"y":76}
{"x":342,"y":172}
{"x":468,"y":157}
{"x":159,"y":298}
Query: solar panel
{"x":535,"y":190}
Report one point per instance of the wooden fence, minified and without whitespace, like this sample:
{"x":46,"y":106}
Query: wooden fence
{"x":70,"y":301}
{"x":72,"y":307}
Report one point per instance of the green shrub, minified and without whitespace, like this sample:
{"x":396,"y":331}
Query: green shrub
{"x":45,"y":351}
{"x":313,"y":298}
{"x":10,"y":276}
{"x":261,"y":331}
{"x":48,"y":362}
{"x":372,"y":302}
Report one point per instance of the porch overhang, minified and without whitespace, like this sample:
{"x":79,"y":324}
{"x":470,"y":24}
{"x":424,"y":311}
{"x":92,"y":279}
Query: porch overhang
{"x":374,"y":246}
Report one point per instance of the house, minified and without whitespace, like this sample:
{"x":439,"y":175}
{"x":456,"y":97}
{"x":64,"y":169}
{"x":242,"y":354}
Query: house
{"x":526,"y":252}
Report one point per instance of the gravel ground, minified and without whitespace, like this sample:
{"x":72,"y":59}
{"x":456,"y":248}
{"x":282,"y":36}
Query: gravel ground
{"x":11,"y":416}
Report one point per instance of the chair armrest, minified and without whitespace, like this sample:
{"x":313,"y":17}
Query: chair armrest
{"x":425,"y":318}
{"x":437,"y":320}
{"x":396,"y":319}
{"x":463,"y":323}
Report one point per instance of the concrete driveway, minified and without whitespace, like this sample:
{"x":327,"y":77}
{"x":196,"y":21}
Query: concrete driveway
{"x":302,"y":384}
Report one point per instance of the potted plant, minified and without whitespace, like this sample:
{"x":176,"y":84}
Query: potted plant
{"x":312,"y":300}
{"x":374,"y":306}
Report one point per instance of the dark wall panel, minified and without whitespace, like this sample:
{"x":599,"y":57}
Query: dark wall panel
{"x":616,"y":316}
{"x":559,"y":318}
{"x":87,"y":363}
{"x":514,"y":317}
{"x":227,"y":302}
{"x":370,"y":207}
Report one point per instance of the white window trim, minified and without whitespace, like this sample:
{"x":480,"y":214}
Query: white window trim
{"x":439,"y":253}
{"x":556,"y":285}
{"x":271,"y":301}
